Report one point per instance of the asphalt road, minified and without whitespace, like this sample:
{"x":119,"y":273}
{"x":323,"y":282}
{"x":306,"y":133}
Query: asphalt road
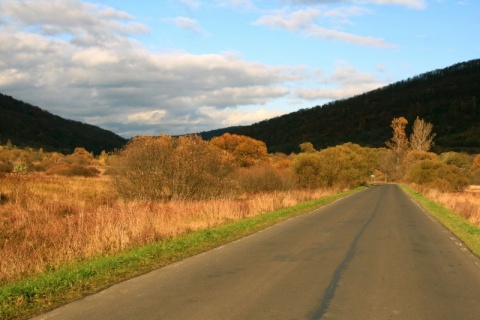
{"x":373,"y":255}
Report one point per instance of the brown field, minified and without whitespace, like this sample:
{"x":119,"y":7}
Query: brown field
{"x":46,"y":221}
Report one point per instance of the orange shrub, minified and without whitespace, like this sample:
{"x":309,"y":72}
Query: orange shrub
{"x":245,"y":151}
{"x":165,"y":168}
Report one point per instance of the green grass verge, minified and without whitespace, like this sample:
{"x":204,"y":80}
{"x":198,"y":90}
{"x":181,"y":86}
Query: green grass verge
{"x":35,"y":295}
{"x":467,"y":232}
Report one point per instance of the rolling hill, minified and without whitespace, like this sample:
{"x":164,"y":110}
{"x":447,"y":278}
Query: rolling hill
{"x":26,"y":125}
{"x":448,"y":98}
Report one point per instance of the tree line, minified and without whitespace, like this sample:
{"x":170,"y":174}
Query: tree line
{"x":190,"y":168}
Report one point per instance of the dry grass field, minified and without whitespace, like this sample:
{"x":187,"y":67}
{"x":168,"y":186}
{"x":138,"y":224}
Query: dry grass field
{"x":466,"y":203}
{"x":47,"y":221}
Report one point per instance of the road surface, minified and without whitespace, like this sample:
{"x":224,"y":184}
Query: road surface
{"x":372,"y":255}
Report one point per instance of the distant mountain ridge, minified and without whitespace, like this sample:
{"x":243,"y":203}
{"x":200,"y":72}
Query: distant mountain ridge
{"x":26,"y":125}
{"x":448,"y":98}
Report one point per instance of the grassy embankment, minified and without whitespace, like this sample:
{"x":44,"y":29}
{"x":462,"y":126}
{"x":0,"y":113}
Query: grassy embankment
{"x":462,"y":218}
{"x":69,"y":281}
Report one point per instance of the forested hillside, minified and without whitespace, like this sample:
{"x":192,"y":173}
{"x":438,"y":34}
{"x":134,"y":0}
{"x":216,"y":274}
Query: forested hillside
{"x":447,"y":98}
{"x":25,"y":125}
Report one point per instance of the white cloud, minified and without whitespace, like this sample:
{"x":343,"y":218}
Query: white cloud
{"x":305,"y":22}
{"x":235,"y":117}
{"x":294,"y":21}
{"x":245,"y":4}
{"x":335,"y":93}
{"x":415,"y":4}
{"x":95,"y":57}
{"x":191,"y":4}
{"x":55,"y":17}
{"x":147,"y":117}
{"x":83,"y":64}
{"x":187,"y":24}
{"x":98,"y":74}
{"x":346,"y":81}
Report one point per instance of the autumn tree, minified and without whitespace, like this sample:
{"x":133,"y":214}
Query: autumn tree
{"x":398,"y":145}
{"x":422,"y":136}
{"x":245,"y":151}
{"x":399,"y":142}
{"x":475,"y":169}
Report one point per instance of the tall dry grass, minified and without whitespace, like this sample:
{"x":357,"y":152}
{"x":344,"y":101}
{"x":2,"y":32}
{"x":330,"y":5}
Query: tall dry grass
{"x":46,"y":221}
{"x":466,"y":203}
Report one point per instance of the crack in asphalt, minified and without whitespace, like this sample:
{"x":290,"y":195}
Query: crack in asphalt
{"x":332,"y":287}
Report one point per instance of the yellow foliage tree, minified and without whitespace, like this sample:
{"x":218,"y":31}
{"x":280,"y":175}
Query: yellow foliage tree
{"x":245,"y":151}
{"x":399,"y":142}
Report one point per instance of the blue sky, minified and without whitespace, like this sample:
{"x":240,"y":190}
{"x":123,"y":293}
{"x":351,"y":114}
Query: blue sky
{"x":174,"y":67}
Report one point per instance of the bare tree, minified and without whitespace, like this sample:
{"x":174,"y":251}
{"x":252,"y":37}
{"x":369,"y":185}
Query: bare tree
{"x":422,"y":136}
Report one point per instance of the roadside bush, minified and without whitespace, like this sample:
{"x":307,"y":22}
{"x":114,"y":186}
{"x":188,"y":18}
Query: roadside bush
{"x":461,"y":160}
{"x":308,"y":167}
{"x":436,"y":174}
{"x":414,"y":156}
{"x":264,"y":178}
{"x":163,"y":168}
{"x":343,"y":166}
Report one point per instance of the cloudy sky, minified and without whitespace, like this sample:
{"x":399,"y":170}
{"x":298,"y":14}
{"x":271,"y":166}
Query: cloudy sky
{"x":183,"y":66}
